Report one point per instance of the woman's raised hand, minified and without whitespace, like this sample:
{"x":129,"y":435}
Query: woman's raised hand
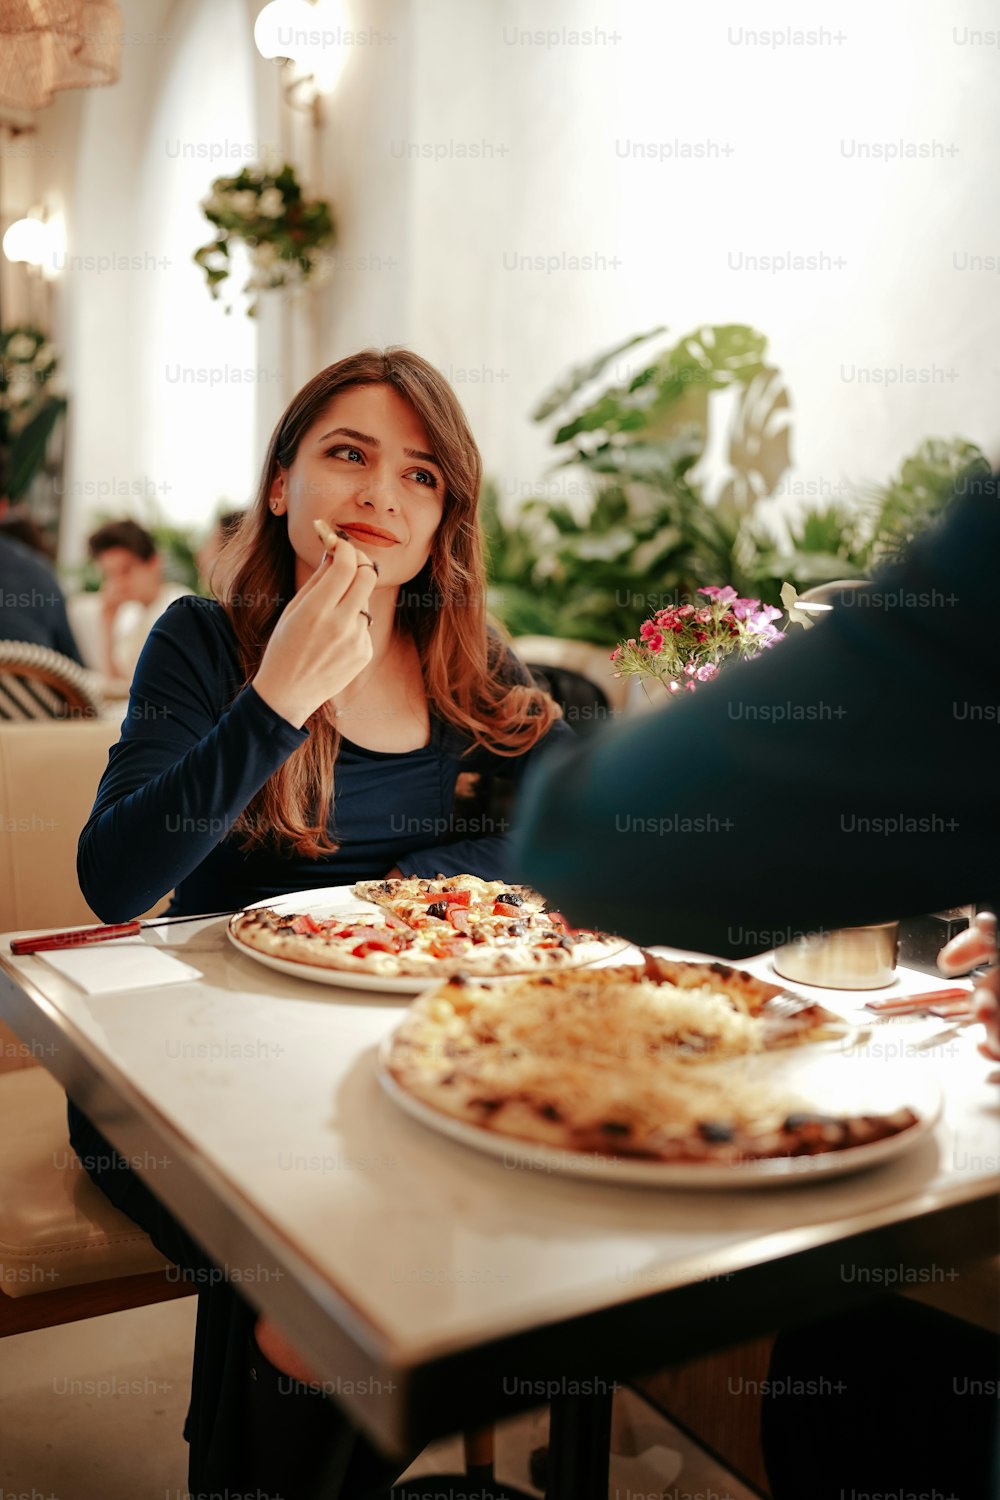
{"x":322,"y":640}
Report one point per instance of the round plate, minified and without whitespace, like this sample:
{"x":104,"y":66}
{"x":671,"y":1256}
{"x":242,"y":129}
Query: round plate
{"x":834,"y":1084}
{"x":340,"y":900}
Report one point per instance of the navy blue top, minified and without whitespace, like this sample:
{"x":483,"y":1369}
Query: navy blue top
{"x":194,"y":750}
{"x":33,"y":605}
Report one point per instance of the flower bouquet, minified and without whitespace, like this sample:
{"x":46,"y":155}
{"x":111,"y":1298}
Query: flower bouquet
{"x":284,"y":231}
{"x":685,"y":644}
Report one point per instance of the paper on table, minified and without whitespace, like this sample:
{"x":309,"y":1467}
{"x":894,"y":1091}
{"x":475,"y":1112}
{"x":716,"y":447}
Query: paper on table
{"x":123,"y":964}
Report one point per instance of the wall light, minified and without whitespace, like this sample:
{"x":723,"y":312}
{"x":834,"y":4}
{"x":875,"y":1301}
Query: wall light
{"x":27,"y":242}
{"x":308,"y":38}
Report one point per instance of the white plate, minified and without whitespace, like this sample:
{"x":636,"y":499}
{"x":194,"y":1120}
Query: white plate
{"x":340,"y":900}
{"x":834,"y":1085}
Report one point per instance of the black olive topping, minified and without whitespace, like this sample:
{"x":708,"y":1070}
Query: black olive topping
{"x":713,"y":1132}
{"x":615,"y":1127}
{"x":511,"y":898}
{"x":800,"y":1121}
{"x":438,"y":909}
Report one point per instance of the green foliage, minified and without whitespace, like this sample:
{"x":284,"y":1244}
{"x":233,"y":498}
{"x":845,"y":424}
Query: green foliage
{"x":645,"y":528}
{"x":850,"y":540}
{"x":646,"y":535}
{"x":284,"y":231}
{"x":29,"y":411}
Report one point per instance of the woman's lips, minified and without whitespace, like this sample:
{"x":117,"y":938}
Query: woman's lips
{"x":370,"y":538}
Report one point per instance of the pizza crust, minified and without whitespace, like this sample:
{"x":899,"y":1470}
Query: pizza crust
{"x":528,"y":941}
{"x":601,"y":1063}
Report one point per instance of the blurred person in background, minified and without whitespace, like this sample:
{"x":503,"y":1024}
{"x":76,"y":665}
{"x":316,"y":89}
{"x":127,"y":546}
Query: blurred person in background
{"x":32,"y":607}
{"x":132,"y":597}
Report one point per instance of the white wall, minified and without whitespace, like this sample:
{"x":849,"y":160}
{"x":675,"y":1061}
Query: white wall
{"x":128,"y":165}
{"x":454,"y":144}
{"x":556,"y":123}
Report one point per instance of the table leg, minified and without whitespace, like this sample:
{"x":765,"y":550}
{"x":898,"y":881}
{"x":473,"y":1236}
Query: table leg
{"x":579,"y":1447}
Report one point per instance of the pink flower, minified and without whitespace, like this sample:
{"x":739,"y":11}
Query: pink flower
{"x":673,"y":687}
{"x":616,"y":653}
{"x":707,"y":672}
{"x":689,"y":687}
{"x":744,"y":607}
{"x":721,"y":596}
{"x":690,"y":668}
{"x":651,"y":636}
{"x":760,"y":625}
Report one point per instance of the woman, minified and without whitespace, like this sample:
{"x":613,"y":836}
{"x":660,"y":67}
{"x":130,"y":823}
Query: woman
{"x":309,"y":729}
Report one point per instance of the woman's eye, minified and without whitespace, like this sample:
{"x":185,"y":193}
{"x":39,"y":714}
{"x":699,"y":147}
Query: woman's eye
{"x":426,"y":478}
{"x":352,"y":455}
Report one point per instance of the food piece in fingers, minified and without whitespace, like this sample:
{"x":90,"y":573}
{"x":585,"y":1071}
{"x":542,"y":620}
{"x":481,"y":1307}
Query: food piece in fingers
{"x":327,"y":535}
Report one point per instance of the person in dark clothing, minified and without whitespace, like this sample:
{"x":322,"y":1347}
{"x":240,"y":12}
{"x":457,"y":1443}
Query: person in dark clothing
{"x":33,"y":605}
{"x":308,"y":729}
{"x":847,"y":777}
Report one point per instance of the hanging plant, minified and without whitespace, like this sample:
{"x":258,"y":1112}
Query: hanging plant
{"x":30,"y":404}
{"x":284,"y":232}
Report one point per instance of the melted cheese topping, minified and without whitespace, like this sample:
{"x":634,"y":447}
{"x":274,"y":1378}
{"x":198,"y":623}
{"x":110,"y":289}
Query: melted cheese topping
{"x":599,"y":1053}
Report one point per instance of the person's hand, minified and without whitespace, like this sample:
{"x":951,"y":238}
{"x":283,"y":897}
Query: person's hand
{"x":322,"y":640}
{"x":111,"y":603}
{"x":978,"y":945}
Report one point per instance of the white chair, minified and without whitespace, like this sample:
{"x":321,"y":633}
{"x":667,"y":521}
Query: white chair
{"x":65,"y":1252}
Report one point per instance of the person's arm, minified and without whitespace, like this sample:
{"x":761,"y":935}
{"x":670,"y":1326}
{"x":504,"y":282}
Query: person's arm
{"x":188,"y":762}
{"x":837,"y":780}
{"x":184,"y":770}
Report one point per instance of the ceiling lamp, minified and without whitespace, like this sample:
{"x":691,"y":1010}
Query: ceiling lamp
{"x":46,"y":45}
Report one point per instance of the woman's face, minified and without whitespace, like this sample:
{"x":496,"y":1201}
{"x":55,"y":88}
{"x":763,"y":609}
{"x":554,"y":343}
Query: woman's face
{"x":365,"y":466}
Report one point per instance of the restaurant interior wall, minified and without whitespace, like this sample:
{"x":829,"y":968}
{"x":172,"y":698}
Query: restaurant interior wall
{"x":512,"y":196}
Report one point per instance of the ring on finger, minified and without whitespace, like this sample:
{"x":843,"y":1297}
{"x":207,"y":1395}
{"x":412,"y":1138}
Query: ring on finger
{"x":369,"y":564}
{"x":367,"y":617}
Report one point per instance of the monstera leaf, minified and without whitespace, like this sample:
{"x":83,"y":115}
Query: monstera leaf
{"x":670,"y":394}
{"x":759,"y":441}
{"x":582,"y":375}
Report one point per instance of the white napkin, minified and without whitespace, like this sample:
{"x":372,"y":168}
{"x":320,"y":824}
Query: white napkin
{"x":122,"y":964}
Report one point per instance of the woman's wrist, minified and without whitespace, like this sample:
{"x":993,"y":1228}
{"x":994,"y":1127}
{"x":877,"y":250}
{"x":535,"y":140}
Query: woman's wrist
{"x":279,"y":702}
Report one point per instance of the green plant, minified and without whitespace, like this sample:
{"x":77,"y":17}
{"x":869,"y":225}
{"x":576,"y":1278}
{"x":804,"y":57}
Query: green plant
{"x":849,"y":539}
{"x":284,"y":231}
{"x":646,"y":535}
{"x":585,"y":571}
{"x":29,"y":408}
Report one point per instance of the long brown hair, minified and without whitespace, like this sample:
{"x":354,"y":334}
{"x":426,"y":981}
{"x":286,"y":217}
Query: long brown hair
{"x":443,"y":608}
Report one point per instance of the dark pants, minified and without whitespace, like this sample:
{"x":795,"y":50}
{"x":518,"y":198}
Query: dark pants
{"x":892,"y":1399}
{"x":251,"y":1430}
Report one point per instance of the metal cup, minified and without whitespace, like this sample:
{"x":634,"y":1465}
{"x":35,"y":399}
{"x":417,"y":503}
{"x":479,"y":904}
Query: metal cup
{"x":850,"y":958}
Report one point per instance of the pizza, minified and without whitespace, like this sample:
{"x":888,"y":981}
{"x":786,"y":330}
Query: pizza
{"x":427,"y":928}
{"x":616,"y":1062}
